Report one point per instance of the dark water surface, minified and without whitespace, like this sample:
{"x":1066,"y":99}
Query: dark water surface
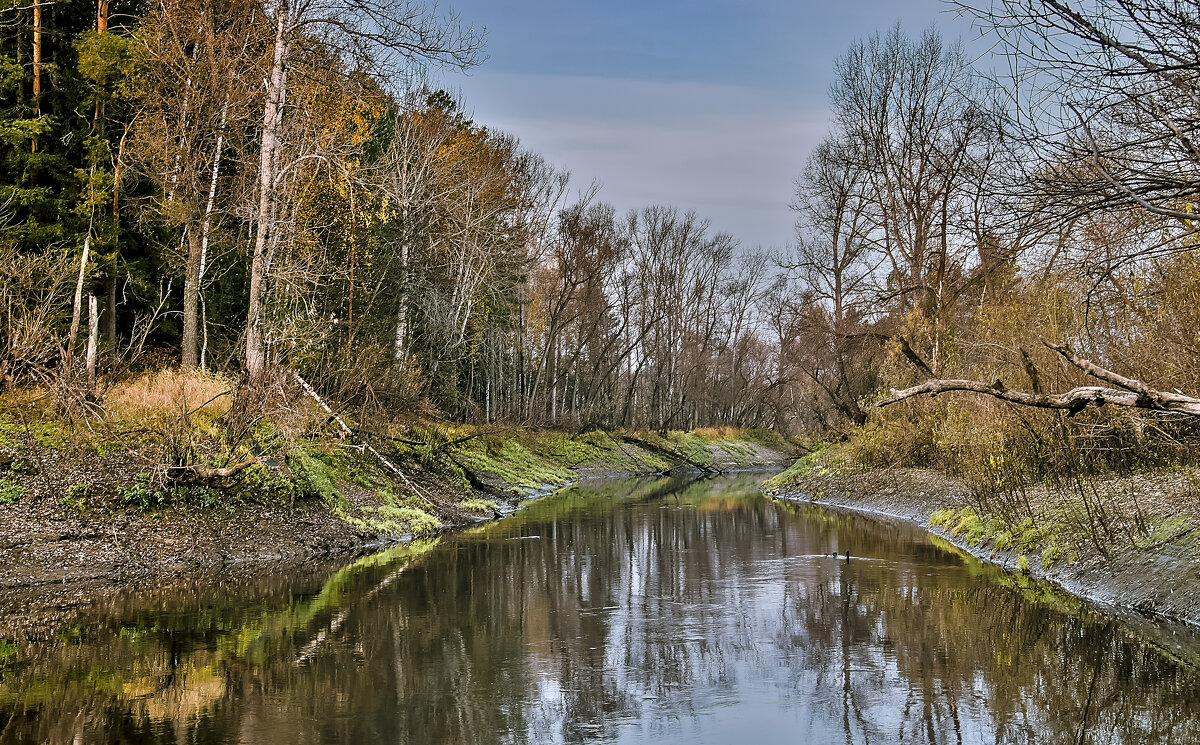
{"x":624,"y":612}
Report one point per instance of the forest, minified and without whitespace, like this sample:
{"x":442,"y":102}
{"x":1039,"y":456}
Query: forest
{"x":327,"y":409}
{"x":273,"y":193}
{"x":259,"y":190}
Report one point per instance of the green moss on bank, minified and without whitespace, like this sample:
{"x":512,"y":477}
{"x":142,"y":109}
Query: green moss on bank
{"x":1026,"y":536}
{"x":813,"y":463}
{"x":514,"y":464}
{"x":163,"y":425}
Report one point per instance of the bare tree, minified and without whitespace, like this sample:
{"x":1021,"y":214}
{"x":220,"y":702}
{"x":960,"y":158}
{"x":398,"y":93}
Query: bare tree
{"x":380,"y":37}
{"x":1108,"y":96}
{"x":912,"y":115}
{"x":835,"y":256}
{"x":195,"y":95}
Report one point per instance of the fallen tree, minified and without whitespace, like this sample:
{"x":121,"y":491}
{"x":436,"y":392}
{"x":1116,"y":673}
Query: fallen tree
{"x":1124,"y":391}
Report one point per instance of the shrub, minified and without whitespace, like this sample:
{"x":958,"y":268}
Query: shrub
{"x":942,"y":517}
{"x":259,"y":484}
{"x":10,"y":492}
{"x":896,"y":438}
{"x":141,"y":495}
{"x":1050,"y":555}
{"x":171,"y":390}
{"x":76,"y":496}
{"x":799,"y":469}
{"x":315,"y":477}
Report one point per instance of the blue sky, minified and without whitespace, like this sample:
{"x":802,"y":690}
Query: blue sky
{"x":711,"y":106}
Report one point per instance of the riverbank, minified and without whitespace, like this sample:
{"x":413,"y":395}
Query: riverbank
{"x":82,"y":516}
{"x":1153,"y":570}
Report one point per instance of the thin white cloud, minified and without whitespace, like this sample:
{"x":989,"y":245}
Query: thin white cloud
{"x":728,"y":152}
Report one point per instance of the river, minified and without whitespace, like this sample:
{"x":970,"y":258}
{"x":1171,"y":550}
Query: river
{"x":617,"y":612}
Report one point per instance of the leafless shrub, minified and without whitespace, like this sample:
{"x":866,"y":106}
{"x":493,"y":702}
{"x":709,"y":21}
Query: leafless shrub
{"x":35,"y":291}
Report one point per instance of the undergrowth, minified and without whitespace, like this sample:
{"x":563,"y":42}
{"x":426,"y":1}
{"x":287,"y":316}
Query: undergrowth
{"x":479,"y":505}
{"x":1069,"y":475}
{"x":397,"y":515}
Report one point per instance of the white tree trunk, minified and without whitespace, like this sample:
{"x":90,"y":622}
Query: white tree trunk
{"x":256,"y":352}
{"x":77,"y":307}
{"x":93,"y":339}
{"x":402,"y":313}
{"x":193,"y":279}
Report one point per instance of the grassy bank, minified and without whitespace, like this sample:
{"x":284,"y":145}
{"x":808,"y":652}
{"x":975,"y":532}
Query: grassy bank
{"x":169,"y":476}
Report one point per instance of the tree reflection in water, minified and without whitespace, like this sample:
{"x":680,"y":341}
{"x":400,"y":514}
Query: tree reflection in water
{"x":621,"y":612}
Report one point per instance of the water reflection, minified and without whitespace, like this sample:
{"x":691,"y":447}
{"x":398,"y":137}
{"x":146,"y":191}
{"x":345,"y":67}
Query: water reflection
{"x":625,"y":612}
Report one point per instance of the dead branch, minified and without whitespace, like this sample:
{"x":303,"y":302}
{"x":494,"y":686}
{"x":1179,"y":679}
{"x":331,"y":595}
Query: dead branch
{"x":912,"y":355}
{"x":392,"y":467}
{"x":1120,"y":381}
{"x":1031,"y":370}
{"x":196,"y":472}
{"x":1129,"y":392}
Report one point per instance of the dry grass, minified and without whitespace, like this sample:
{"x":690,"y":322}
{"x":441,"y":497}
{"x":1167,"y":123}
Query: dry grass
{"x":712,"y":434}
{"x":171,"y":390}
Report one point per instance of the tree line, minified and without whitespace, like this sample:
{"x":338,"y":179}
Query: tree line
{"x":263,"y":188}
{"x":267,"y":188}
{"x":1026,"y":234}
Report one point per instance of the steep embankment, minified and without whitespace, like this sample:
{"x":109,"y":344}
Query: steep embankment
{"x":1152,"y":570}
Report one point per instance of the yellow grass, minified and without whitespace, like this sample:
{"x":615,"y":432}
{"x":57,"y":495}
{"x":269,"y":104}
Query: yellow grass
{"x":722,"y":432}
{"x":171,"y":390}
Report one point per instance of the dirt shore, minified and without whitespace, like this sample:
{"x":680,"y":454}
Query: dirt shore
{"x":1162,"y":582}
{"x":58,"y":556}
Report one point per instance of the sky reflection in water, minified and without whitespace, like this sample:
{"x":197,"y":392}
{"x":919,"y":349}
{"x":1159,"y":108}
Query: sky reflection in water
{"x":623,"y":612}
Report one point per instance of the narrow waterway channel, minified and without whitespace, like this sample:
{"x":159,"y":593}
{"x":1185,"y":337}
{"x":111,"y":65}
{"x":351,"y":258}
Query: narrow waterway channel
{"x":618,"y":612}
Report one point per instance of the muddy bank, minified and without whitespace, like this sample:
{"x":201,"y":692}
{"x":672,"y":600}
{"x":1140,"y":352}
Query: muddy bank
{"x":1162,"y":580}
{"x":62,"y":550}
{"x":56,"y":561}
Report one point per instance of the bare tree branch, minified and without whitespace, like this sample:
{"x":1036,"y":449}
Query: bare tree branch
{"x":1131,"y":393}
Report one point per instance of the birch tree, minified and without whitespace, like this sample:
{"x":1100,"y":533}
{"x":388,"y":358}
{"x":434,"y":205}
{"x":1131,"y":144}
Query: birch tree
{"x":383,"y":38}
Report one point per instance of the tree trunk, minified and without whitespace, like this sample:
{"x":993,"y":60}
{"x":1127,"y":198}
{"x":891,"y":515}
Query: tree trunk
{"x":402,"y":311}
{"x":256,"y":351}
{"x":37,"y":68}
{"x":203,"y":333}
{"x":110,"y":315}
{"x":193,"y":277}
{"x":77,"y":307}
{"x":1128,"y":391}
{"x":191,"y":299}
{"x":117,"y":175}
{"x":93,"y":339}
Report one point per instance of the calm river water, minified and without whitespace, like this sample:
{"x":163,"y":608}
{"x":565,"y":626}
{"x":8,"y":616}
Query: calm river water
{"x":620,"y":612}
